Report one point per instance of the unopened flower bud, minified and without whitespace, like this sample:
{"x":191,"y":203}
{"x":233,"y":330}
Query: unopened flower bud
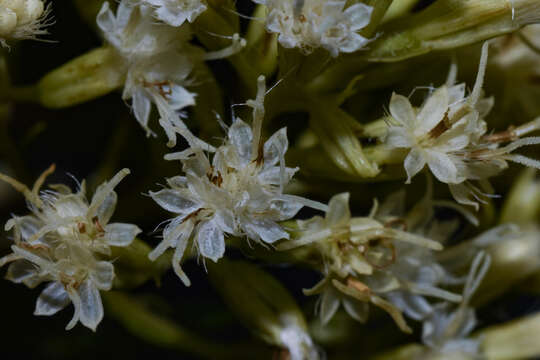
{"x":265,"y":306}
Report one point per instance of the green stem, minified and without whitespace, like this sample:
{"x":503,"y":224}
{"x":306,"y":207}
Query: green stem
{"x":162,"y":332}
{"x":21,"y":94}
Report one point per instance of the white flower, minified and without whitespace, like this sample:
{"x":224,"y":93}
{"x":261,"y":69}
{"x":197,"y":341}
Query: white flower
{"x":63,"y":241}
{"x":176,"y":12}
{"x":366,"y":260}
{"x":448,"y":134}
{"x":310,"y":24}
{"x":23,"y":19}
{"x":158,"y":61}
{"x":239,"y":193}
{"x":157,"y":71}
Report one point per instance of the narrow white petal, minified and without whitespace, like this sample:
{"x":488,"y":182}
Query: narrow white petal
{"x":173,"y":201}
{"x":211,"y":241}
{"x":329,"y":305}
{"x":402,"y":110}
{"x":102,"y":275}
{"x":338,"y":210}
{"x":433,"y":111}
{"x":267,"y":230}
{"x":241,"y":137}
{"x":91,"y":307}
{"x":119,"y":234}
{"x":414,"y":162}
{"x":442,"y":167}
{"x":52,"y":299}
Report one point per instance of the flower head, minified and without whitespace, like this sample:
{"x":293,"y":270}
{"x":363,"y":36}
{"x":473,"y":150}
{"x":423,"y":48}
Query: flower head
{"x":370,"y":260}
{"x":65,"y":241}
{"x":310,"y":24}
{"x":449,"y":135}
{"x":158,"y":61}
{"x":23,"y":19}
{"x":239,"y":192}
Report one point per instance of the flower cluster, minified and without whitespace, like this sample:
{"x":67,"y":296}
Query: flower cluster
{"x":66,"y":241}
{"x":239,"y":193}
{"x":311,"y":24}
{"x":248,"y":183}
{"x":158,"y":61}
{"x":372,"y":259}
{"x":449,"y":135}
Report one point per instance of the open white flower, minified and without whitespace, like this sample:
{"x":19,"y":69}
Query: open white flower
{"x":158,"y":61}
{"x":23,"y":19}
{"x":366,"y":260}
{"x":239,"y":193}
{"x":156,"y":70}
{"x":176,"y":12}
{"x":310,"y":24}
{"x":63,"y":241}
{"x":448,"y":134}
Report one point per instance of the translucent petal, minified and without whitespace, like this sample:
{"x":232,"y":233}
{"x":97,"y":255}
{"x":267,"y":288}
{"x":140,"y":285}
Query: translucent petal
{"x":358,"y":310}
{"x":414,"y":162}
{"x":23,"y":271}
{"x":174,"y":201}
{"x":103,"y":275}
{"x":119,"y":234}
{"x":456,"y":94}
{"x":106,"y":210}
{"x":76,"y":300}
{"x":181,"y":245}
{"x":52,"y":299}
{"x":241,"y":137}
{"x":338,"y":210}
{"x":398,"y":137}
{"x":211,"y":241}
{"x":105,"y":18}
{"x":442,"y":167}
{"x":272,"y":175}
{"x":91,"y":312}
{"x":402,"y":110}
{"x":275,"y":147}
{"x":141,"y":105}
{"x":286,"y":209}
{"x":359,"y":15}
{"x":177,"y":181}
{"x":432,"y":111}
{"x":463,"y":195}
{"x":267,"y":230}
{"x":28,"y":226}
{"x":224,"y":219}
{"x":329,"y":305}
{"x":180,"y":98}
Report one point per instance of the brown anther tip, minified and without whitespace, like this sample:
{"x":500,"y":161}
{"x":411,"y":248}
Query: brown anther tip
{"x":440,"y":128}
{"x":98,"y":226}
{"x":357,"y":285}
{"x":503,"y":136}
{"x":397,"y":221}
